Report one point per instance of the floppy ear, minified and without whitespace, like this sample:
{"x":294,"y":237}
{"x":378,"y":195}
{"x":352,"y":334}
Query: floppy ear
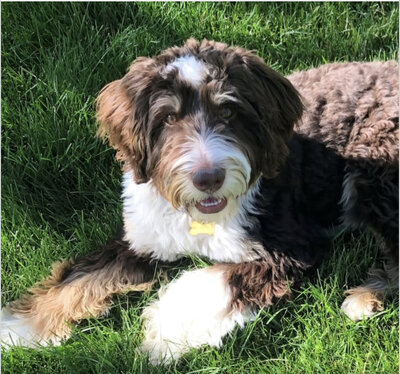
{"x":280,"y":107}
{"x":119,"y":121}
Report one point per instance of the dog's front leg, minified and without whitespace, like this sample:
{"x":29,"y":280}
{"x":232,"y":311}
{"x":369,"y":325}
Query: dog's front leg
{"x":204,"y":305}
{"x":75,"y":290}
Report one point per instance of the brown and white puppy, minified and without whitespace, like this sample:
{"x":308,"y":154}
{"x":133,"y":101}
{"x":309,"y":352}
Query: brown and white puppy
{"x":213,"y":168}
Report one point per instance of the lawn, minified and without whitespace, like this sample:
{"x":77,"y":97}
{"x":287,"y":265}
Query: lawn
{"x":61,"y":185}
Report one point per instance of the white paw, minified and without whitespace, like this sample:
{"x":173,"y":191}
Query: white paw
{"x":192,"y":311}
{"x":361,"y":304}
{"x":18,"y":332}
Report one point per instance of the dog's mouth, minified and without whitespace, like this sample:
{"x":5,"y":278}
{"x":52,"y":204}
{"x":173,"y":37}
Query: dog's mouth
{"x":211,"y":205}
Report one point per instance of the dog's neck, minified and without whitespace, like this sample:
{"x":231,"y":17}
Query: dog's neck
{"x":153,"y":227}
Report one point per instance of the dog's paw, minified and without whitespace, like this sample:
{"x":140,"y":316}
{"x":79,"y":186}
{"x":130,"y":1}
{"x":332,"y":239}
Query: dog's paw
{"x":18,"y":331}
{"x":192,"y":311}
{"x":162,"y":342}
{"x":361,"y":303}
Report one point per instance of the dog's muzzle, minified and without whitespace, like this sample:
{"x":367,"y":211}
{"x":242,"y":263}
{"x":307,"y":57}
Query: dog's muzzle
{"x":209,"y":180}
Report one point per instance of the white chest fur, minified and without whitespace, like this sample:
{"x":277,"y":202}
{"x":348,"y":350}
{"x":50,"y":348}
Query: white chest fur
{"x":154,"y":228}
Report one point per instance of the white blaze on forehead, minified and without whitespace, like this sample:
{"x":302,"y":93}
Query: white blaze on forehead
{"x":190,"y":69}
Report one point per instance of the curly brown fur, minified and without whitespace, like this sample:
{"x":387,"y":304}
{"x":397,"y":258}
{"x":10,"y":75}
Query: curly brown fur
{"x":82,"y":288}
{"x":352,"y":108}
{"x":260,"y":283}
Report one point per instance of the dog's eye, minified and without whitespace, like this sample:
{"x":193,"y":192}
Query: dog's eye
{"x":225,"y":112}
{"x":171,"y":119}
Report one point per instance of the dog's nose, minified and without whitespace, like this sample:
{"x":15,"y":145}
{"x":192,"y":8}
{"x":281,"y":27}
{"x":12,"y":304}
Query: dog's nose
{"x":209,"y":179}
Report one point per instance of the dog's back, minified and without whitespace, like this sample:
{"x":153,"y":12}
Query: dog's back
{"x":352,"y":108}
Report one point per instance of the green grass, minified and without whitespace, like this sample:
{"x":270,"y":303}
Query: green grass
{"x":60,"y":185}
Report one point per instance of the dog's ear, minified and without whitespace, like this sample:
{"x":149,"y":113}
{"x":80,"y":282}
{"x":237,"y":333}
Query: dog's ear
{"x":120,"y":110}
{"x":280,"y":107}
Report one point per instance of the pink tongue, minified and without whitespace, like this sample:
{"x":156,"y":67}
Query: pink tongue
{"x":212,"y":208}
{"x":210,"y":200}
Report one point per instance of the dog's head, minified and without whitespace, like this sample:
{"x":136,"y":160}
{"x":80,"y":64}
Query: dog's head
{"x":201,"y":122}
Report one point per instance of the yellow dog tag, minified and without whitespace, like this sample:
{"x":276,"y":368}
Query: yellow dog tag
{"x":197,"y":228}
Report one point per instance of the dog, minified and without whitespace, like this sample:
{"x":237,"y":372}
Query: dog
{"x":226,"y":159}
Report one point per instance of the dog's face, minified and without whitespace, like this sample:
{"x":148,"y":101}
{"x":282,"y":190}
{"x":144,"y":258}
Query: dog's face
{"x":202,"y":123}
